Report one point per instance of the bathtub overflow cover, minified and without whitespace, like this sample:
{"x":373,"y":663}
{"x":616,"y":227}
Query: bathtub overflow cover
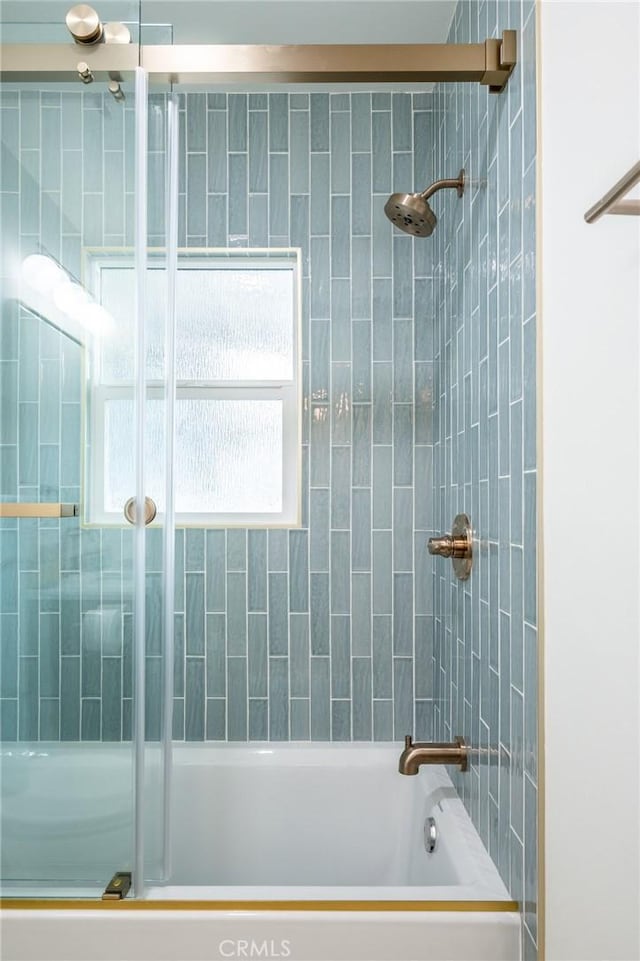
{"x":430,"y":835}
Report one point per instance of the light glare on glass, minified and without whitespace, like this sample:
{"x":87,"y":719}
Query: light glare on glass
{"x":42,"y":273}
{"x":71,"y":299}
{"x":97,"y":320}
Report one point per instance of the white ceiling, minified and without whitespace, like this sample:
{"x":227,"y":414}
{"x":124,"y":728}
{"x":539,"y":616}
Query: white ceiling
{"x":267,"y":21}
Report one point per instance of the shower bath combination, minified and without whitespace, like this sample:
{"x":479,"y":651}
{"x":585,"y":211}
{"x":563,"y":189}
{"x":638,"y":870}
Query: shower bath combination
{"x":184,"y":844}
{"x":412,"y":213}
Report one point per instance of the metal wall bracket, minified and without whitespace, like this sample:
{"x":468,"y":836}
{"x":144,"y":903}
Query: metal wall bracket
{"x":501,"y":58}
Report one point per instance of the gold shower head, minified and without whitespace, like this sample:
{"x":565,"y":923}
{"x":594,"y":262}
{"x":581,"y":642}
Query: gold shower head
{"x":412,"y":213}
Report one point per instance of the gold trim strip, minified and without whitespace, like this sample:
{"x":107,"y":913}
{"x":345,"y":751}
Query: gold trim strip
{"x":38,"y":510}
{"x":83,"y":904}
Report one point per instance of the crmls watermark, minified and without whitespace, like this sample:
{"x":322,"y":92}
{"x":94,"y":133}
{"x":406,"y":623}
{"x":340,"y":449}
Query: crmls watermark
{"x":254,"y":949}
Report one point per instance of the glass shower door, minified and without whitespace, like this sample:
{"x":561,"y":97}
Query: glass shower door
{"x":80,"y":621}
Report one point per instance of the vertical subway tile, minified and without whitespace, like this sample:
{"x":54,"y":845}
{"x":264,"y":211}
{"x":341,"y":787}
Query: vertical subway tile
{"x":299,"y":576}
{"x":278,"y":699}
{"x":278,"y":195}
{"x":360,"y":194}
{"x":382,"y":482}
{"x":402,"y":444}
{"x":361,"y":531}
{"x":320,"y":699}
{"x":278,"y":625}
{"x":238,"y":194}
{"x":237,"y":114}
{"x":319,"y":119}
{"x":340,"y":153}
{"x":237,"y":698}
{"x":300,"y":719}
{"x":299,"y":656}
{"x":382,"y":572}
{"x":195,"y":699}
{"x":340,"y":237}
{"x":381,"y":152}
{"x":403,"y":529}
{"x":320,"y":190}
{"x":216,"y":721}
{"x":257,"y":570}
{"x":236,"y":614}
{"x":402,"y":696}
{"x":403,"y":614}
{"x":70,"y":698}
{"x":341,"y":720}
{"x":258,"y":720}
{"x":319,"y":613}
{"x":382,"y":661}
{"x":319,"y":530}
{"x":194,"y":620}
{"x":383,"y":721}
{"x":257,"y":655}
{"x":217,"y":153}
{"x":90,"y":719}
{"x":215,"y":548}
{"x":382,"y":411}
{"x":196,"y":122}
{"x":278,"y":122}
{"x":340,"y":564}
{"x":361,"y":617}
{"x":340,"y":657}
{"x":299,"y":152}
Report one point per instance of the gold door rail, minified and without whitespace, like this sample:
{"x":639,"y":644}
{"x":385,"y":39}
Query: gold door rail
{"x":39,"y":510}
{"x":489,"y":63}
{"x":612,"y":202}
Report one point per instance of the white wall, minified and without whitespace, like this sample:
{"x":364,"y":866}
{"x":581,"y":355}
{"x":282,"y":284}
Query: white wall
{"x":590,"y":129}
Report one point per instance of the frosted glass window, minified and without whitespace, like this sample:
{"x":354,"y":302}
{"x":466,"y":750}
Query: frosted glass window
{"x":237,"y":404}
{"x":231,"y":324}
{"x":229,"y":455}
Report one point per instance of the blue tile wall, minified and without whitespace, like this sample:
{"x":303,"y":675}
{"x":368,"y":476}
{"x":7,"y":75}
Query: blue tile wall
{"x":484,"y":446}
{"x":302,"y":634}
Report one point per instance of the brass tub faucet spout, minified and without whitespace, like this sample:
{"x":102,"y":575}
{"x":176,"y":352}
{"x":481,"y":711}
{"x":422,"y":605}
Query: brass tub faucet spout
{"x":436,"y":752}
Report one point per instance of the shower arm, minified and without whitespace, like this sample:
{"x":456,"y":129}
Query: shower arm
{"x":458,"y":183}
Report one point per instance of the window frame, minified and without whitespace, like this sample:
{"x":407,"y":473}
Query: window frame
{"x":289,"y":391}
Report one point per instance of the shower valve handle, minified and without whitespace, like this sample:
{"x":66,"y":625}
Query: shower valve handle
{"x":457,"y":545}
{"x":449,"y":546}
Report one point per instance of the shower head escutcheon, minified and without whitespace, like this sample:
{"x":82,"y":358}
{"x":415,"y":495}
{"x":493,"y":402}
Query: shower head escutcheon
{"x":412,"y":213}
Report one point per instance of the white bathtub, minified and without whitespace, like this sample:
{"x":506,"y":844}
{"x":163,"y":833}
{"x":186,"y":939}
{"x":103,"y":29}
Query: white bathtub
{"x":333,"y":834}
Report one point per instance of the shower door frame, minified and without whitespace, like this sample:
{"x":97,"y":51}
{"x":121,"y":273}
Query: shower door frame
{"x":490,"y":64}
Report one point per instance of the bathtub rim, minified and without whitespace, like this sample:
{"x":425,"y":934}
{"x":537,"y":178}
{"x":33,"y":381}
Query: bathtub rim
{"x":266,"y":754}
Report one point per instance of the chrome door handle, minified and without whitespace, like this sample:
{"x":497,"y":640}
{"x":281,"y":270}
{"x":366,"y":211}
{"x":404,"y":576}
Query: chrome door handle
{"x":150,"y":510}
